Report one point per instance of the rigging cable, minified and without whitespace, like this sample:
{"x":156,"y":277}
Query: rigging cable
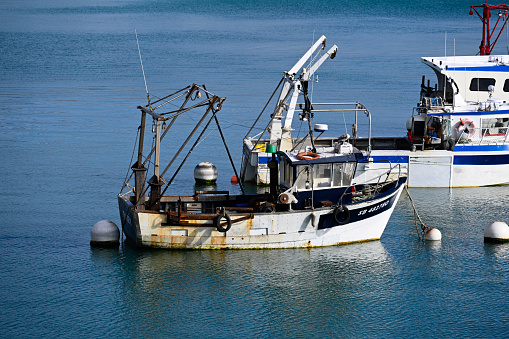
{"x":127,"y":176}
{"x":142,"y":70}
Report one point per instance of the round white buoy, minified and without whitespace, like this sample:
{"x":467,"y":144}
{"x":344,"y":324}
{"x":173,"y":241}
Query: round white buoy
{"x":104,"y":233}
{"x":205,"y":173}
{"x":433,"y":235}
{"x":497,"y":231}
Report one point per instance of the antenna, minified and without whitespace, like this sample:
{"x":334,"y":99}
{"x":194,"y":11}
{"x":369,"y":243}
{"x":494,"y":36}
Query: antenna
{"x":445,"y":43}
{"x":142,"y":70}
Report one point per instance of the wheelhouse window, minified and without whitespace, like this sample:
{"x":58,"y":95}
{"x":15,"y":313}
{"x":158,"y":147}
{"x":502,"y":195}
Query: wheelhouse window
{"x":322,"y":175}
{"x":302,"y":177}
{"x":343,"y":174}
{"x":481,"y":84}
{"x":286,"y":173}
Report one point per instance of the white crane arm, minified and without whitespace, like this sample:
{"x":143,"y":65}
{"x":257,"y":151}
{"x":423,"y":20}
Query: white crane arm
{"x":306,"y":56}
{"x":286,"y":135}
{"x":316,"y":65}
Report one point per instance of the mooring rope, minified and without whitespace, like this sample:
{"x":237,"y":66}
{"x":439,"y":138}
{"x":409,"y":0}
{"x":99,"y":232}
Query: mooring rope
{"x":424,"y":228}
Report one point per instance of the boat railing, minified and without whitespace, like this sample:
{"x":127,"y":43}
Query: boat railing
{"x":344,"y":107}
{"x":376,"y":184}
{"x":480,"y":135}
{"x":433,"y":102}
{"x":393,"y":173}
{"x":257,"y":143}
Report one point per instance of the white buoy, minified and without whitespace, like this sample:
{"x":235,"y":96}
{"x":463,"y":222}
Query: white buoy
{"x":433,"y":235}
{"x":497,"y":231}
{"x":104,"y":233}
{"x":205,"y":173}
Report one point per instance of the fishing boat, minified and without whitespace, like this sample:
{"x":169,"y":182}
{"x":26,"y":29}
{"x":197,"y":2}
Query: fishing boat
{"x":457,"y":135}
{"x":311,"y":201}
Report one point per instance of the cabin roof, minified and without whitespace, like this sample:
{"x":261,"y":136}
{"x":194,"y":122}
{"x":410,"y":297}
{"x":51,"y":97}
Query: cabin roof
{"x":490,"y":63}
{"x":324,"y":158}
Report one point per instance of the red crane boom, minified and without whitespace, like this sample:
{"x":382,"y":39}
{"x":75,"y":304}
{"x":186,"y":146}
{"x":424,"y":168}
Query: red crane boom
{"x":486,"y":45}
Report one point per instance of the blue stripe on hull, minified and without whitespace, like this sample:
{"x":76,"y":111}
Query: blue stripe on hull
{"x":481,"y":148}
{"x":470,"y":113}
{"x":500,"y":68}
{"x":494,"y":159}
{"x":265,"y":160}
{"x":394,"y":159}
{"x":328,"y":220}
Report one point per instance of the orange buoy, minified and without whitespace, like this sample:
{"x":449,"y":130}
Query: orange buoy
{"x":234,"y":179}
{"x":307,"y":156}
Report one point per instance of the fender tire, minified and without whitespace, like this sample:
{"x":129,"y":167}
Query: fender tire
{"x":218,"y":223}
{"x":341,"y":215}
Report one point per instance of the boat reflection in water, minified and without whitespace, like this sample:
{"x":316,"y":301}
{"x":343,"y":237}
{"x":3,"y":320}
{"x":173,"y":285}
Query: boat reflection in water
{"x":252,"y":288}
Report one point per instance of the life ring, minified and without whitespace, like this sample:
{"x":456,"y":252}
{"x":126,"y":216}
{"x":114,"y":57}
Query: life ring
{"x":307,"y":156}
{"x":466,"y":124}
{"x":217,"y":221}
{"x":341,"y":215}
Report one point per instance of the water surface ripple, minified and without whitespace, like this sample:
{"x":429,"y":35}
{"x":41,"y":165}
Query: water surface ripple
{"x":70,"y":81}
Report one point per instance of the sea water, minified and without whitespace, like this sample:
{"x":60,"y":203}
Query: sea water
{"x":70,"y":81}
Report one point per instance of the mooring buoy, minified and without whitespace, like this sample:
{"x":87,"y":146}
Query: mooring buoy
{"x":104,"y":233}
{"x":205,"y":173}
{"x":433,"y":235}
{"x":497,"y":231}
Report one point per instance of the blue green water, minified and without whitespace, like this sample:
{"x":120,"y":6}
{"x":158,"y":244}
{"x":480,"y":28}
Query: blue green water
{"x":70,"y":81}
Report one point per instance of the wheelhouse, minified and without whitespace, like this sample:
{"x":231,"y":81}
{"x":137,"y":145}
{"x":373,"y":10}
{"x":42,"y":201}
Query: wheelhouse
{"x":321,"y":173}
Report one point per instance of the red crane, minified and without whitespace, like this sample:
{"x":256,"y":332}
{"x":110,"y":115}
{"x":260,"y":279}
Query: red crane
{"x":486,"y":45}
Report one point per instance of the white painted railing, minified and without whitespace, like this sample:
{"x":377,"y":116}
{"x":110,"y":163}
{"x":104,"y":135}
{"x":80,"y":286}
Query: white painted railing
{"x":477,"y":136}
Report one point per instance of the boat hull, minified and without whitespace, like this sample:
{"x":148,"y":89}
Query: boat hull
{"x":466,"y":167}
{"x":292,"y":229}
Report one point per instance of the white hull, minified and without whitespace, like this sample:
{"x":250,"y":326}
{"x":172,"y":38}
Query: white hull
{"x":440,"y":168}
{"x":293,"y":229}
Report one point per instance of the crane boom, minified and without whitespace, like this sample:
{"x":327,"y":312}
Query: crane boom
{"x":279,"y":134}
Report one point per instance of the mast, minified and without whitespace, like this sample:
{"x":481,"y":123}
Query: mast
{"x":487,"y":46}
{"x":139,"y":168}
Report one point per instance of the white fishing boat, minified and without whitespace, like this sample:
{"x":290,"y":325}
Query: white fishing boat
{"x":314,"y":204}
{"x":458,"y":134}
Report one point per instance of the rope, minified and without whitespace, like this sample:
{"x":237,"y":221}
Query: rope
{"x":424,"y":228}
{"x":129,"y":168}
{"x":344,"y":121}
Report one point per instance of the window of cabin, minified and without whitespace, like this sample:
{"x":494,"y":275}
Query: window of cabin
{"x":481,"y":84}
{"x":506,"y":85}
{"x":302,"y":176}
{"x":286,"y":173}
{"x":494,"y":126}
{"x":343,"y":174}
{"x":322,"y":175}
{"x":337,"y":179}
